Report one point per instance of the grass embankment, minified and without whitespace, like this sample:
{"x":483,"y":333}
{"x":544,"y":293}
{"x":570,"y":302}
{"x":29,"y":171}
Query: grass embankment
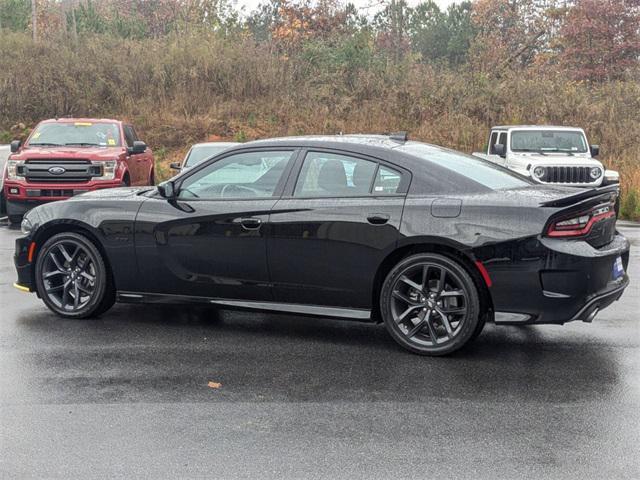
{"x":182,"y":90}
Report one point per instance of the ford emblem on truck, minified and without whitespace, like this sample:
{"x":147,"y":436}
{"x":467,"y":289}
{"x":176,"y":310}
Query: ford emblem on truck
{"x":57,"y":170}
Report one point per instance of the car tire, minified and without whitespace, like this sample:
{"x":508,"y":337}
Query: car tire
{"x":72,"y":277}
{"x":14,"y":219}
{"x":430,"y":305}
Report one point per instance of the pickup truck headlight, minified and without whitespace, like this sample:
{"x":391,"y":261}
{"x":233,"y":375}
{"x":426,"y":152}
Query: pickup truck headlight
{"x":595,"y":173}
{"x":538,"y":172}
{"x":13,"y":170}
{"x":108,"y":169}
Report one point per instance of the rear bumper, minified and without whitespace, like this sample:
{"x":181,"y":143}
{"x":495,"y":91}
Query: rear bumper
{"x":554,"y":281}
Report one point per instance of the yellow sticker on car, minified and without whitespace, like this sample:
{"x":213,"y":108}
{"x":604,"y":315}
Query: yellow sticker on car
{"x":111,"y":141}
{"x":83,"y":124}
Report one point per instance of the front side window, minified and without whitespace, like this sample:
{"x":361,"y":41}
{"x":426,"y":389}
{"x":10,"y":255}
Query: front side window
{"x":128,"y":135}
{"x":333,"y":175}
{"x":243,"y":175}
{"x":81,"y":134}
{"x":548,"y":141}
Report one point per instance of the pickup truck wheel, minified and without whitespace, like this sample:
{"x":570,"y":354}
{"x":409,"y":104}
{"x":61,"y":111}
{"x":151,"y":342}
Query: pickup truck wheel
{"x":72,"y":278}
{"x":15,"y":219}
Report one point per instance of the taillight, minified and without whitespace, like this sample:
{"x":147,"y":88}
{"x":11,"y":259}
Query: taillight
{"x":581,"y":223}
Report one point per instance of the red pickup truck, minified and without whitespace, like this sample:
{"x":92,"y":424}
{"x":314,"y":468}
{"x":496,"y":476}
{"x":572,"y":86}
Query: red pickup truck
{"x":68,"y":156}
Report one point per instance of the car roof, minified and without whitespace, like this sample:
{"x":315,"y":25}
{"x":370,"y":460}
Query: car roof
{"x":74,"y":120}
{"x":366,"y":140}
{"x":216,"y":144}
{"x":534,"y":127}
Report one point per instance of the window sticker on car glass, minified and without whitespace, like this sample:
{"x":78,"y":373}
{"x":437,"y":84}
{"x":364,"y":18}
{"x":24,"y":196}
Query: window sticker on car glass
{"x":111,"y":141}
{"x":83,"y":124}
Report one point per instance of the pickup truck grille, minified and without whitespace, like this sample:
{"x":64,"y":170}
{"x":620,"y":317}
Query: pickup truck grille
{"x":567,"y":175}
{"x":59,"y":170}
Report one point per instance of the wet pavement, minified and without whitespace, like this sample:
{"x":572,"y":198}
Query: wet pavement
{"x":127,"y":396}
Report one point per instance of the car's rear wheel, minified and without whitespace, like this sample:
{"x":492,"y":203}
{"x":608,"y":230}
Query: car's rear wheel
{"x":430,"y":304}
{"x":72,"y":278}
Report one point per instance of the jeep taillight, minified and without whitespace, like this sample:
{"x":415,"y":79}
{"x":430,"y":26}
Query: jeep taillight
{"x":581,"y":223}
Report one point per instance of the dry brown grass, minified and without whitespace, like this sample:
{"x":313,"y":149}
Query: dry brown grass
{"x":188,"y":89}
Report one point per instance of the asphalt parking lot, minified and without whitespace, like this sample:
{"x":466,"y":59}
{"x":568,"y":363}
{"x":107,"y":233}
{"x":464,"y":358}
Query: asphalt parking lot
{"x":127,"y":396}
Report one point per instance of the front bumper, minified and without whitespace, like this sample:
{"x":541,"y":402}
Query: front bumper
{"x":47,"y":192}
{"x":22,"y":197}
{"x":542,"y":280}
{"x":24,"y":267}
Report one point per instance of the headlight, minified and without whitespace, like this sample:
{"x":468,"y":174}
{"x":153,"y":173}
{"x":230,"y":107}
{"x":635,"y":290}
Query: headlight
{"x":13,"y":172}
{"x":595,"y":173}
{"x":539,"y":172}
{"x":108,"y":169}
{"x":26,"y":226}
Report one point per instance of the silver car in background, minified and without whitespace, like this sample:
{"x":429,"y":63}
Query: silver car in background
{"x":200,"y":152}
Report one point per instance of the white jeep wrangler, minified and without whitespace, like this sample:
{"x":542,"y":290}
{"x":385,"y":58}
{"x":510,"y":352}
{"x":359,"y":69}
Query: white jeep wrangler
{"x":548,"y":155}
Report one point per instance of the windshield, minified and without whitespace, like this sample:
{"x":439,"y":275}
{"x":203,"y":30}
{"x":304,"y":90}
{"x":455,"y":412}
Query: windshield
{"x":476,"y":169}
{"x":548,"y":141}
{"x":82,"y":134}
{"x":199,"y":153}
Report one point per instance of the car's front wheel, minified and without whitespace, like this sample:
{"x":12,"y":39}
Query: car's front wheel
{"x":430,"y":304}
{"x":72,"y":278}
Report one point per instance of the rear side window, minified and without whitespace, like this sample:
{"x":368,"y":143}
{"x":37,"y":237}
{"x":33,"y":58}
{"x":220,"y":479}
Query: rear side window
{"x":387,"y":181}
{"x":476,"y":169}
{"x":332,"y":175}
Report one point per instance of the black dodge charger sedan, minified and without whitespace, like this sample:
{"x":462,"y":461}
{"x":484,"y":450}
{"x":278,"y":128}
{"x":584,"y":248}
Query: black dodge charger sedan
{"x":430,"y":241}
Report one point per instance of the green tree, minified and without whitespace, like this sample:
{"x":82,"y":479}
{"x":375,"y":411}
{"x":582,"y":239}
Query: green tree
{"x":15,"y":14}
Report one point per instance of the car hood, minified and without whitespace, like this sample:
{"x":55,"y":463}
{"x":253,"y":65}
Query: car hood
{"x":111,"y":193}
{"x":92,"y":153}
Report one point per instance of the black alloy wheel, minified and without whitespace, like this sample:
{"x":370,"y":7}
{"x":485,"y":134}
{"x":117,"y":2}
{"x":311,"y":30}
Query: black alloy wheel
{"x":72,"y":278}
{"x":430,"y":304}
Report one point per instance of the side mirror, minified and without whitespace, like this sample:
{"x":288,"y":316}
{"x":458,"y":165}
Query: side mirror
{"x":15,"y":146}
{"x":595,"y":150}
{"x":167,"y":189}
{"x":175,"y":166}
{"x":138,"y":147}
{"x":498,"y":149}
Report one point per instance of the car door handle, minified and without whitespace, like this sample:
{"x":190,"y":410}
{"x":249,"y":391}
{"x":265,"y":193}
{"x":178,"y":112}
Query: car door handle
{"x":250,"y":223}
{"x":378,"y":218}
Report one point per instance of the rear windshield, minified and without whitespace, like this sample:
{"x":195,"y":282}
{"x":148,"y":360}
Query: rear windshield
{"x":199,"y":153}
{"x":81,"y":134}
{"x":473,"y":168}
{"x":548,"y":141}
